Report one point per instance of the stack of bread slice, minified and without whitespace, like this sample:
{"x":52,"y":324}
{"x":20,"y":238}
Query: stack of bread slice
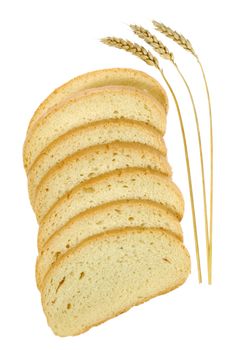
{"x":101,"y":188}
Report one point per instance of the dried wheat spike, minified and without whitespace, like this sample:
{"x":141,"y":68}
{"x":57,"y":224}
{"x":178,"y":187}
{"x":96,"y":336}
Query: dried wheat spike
{"x":132,"y":48}
{"x":172,"y":34}
{"x":150,"y":39}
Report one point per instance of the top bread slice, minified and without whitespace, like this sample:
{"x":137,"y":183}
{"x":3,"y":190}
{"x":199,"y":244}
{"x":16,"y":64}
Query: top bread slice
{"x":107,"y":274}
{"x":129,"y":183}
{"x":92,"y":162}
{"x":99,"y":78}
{"x":97,"y":133}
{"x":96,"y":104}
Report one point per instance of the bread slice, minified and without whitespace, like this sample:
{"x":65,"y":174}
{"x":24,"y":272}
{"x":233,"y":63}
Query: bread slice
{"x":99,"y":78}
{"x":107,"y":217}
{"x":131,"y":183}
{"x":108,"y":274}
{"x":90,"y":135}
{"x":91,"y":162}
{"x":96,"y":104}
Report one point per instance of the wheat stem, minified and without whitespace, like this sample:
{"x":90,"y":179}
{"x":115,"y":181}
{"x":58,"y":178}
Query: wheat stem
{"x":164,"y":52}
{"x":136,"y":50}
{"x":211,"y":172}
{"x":201,"y":164}
{"x":185,"y":43}
{"x":189,"y":178}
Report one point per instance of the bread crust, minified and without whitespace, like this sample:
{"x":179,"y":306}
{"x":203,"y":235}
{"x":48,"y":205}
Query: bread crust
{"x":116,"y":144}
{"x":93,"y":211}
{"x":165,"y":168}
{"x":135,"y":123}
{"x":83,"y":96}
{"x":123,"y":310}
{"x":101,"y":74}
{"x":101,"y":236}
{"x":101,"y":179}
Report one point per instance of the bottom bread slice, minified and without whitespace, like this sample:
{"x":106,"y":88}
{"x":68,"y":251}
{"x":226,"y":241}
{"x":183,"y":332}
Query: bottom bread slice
{"x":130,"y":183}
{"x":109,"y":273}
{"x":107,"y":217}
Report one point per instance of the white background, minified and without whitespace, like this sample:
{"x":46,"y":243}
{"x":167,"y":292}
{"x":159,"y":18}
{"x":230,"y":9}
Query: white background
{"x":45,"y":43}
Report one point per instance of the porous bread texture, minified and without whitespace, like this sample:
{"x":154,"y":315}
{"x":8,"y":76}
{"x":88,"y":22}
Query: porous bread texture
{"x":99,"y":78}
{"x":96,"y":133}
{"x":107,"y":217}
{"x":97,"y":104}
{"x":130,"y":183}
{"x":92,"y":162}
{"x":108,"y":274}
{"x":100,"y":184}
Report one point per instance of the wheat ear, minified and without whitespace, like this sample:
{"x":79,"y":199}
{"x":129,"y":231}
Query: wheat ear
{"x":186,"y":44}
{"x":133,"y":48}
{"x":136,"y":50}
{"x":172,"y":34}
{"x":164,"y":52}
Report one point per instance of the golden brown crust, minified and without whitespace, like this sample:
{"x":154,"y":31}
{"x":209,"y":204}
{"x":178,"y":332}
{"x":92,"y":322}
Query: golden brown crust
{"x":103,"y":177}
{"x":102,"y":236}
{"x":95,"y":148}
{"x":87,"y":95}
{"x":82,"y":128}
{"x":125,"y":309}
{"x":93,"y":210}
{"x":96,"y":73}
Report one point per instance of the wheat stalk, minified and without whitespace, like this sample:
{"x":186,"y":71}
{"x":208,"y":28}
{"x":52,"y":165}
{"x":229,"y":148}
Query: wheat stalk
{"x":147,"y":57}
{"x":164,"y":52}
{"x":186,"y":44}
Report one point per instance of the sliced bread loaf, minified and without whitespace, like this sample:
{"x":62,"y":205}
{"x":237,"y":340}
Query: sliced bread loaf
{"x":91,"y":162}
{"x":113,"y":215}
{"x":92,"y":134}
{"x":131,"y":183}
{"x":96,"y":104}
{"x":99,"y":78}
{"x":108,"y":274}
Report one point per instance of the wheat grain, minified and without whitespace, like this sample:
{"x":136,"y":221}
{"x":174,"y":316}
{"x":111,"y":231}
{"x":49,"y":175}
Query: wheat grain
{"x":150,"y":39}
{"x":132,"y":48}
{"x":175,"y":36}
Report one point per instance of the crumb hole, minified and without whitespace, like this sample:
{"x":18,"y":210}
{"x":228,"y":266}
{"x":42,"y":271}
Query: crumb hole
{"x":82,"y":274}
{"x":60,"y":284}
{"x":57,"y":254}
{"x":89,"y":189}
